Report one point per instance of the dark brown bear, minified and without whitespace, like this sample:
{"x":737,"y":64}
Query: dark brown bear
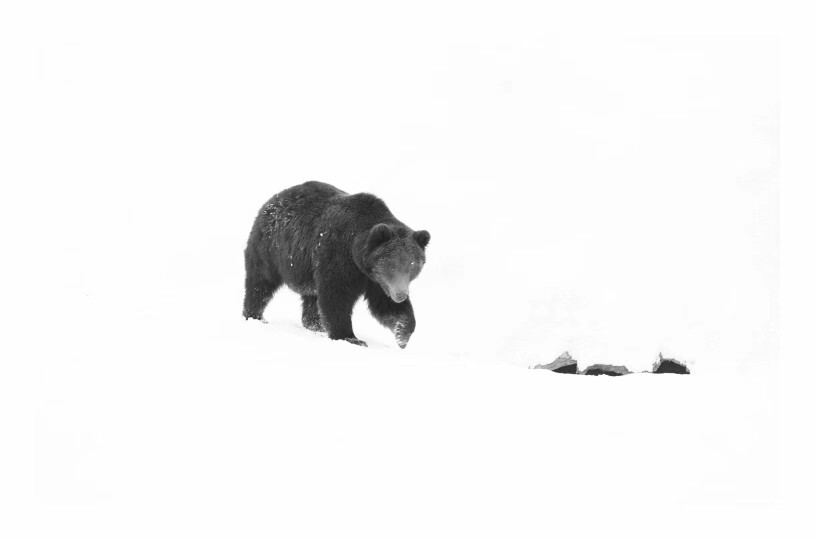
{"x":331,"y":248}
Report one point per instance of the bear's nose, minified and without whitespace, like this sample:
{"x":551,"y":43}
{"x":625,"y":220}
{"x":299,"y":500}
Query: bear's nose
{"x":400,"y":297}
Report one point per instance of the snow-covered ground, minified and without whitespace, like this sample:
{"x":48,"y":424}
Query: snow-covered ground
{"x":611,"y":197}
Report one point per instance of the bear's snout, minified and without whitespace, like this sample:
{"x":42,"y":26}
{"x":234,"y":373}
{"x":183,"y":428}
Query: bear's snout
{"x":397,"y":287}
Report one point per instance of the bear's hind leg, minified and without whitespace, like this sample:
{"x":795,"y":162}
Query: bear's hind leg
{"x":311,"y":314}
{"x":258,"y":293}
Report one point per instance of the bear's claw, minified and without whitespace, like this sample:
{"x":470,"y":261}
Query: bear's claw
{"x":402,"y":336}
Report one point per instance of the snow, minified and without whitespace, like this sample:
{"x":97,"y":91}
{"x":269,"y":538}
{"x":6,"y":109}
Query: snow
{"x":611,"y":197}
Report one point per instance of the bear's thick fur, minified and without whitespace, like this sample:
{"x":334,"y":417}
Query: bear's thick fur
{"x":331,"y":248}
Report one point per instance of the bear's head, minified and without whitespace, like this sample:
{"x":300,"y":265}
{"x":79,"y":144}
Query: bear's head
{"x":394,"y":256}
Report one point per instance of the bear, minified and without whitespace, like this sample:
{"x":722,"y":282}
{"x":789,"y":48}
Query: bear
{"x":332,"y":248}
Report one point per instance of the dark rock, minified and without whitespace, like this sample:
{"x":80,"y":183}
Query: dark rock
{"x":571,"y":368}
{"x":669,"y":365}
{"x":605,"y":369}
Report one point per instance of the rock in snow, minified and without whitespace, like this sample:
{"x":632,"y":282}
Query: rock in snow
{"x":606,"y":369}
{"x":669,"y":365}
{"x":566,"y":364}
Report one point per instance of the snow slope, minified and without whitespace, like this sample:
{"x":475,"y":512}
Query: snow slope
{"x":611,"y":197}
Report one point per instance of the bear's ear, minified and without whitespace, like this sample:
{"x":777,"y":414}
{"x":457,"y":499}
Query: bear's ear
{"x":422,"y":238}
{"x":380,"y":234}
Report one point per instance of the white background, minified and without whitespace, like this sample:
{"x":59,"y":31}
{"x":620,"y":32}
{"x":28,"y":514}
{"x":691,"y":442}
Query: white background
{"x":609,"y":193}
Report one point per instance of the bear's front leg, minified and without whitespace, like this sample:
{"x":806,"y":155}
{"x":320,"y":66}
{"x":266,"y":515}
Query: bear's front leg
{"x":335,"y":314}
{"x":397,"y":317}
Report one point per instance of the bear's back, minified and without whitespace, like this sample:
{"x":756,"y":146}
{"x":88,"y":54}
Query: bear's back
{"x":313,"y":187}
{"x":339,"y":207}
{"x":313,"y":207}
